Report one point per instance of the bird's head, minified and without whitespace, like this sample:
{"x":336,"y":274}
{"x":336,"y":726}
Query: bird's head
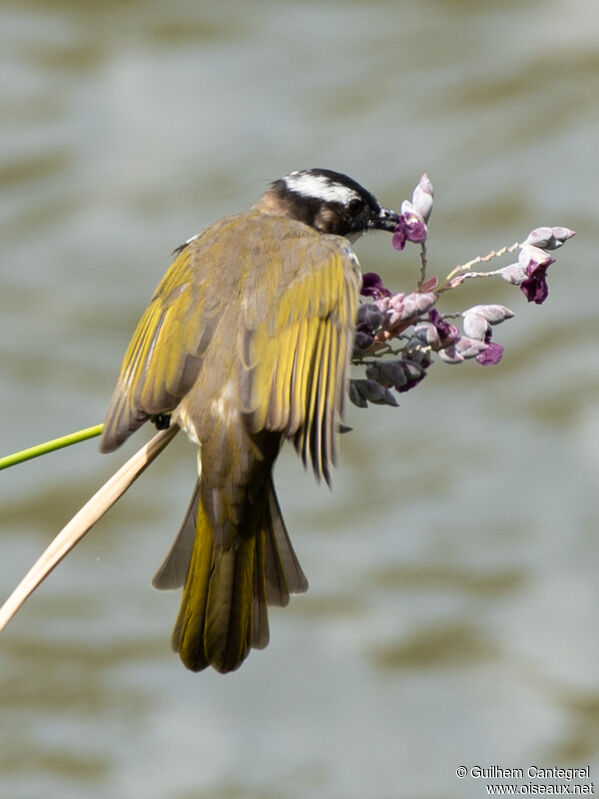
{"x":328,"y":201}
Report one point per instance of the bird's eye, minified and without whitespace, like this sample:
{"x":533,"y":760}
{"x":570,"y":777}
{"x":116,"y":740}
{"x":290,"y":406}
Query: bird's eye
{"x":355,"y":206}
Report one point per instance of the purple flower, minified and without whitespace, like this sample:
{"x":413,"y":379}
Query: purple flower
{"x":411,"y":227}
{"x":535,"y":287}
{"x":401,"y":374}
{"x":361,"y":392}
{"x":372,"y":286}
{"x":411,"y":383}
{"x":362,"y":342}
{"x":535,"y":263}
{"x":370,"y":318}
{"x":447,"y":333}
{"x":492,"y":354}
{"x":399,"y":236}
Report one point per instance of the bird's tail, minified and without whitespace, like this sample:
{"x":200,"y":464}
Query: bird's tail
{"x":227,"y":588}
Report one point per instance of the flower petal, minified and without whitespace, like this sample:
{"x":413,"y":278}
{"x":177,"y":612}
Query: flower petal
{"x":491,"y":355}
{"x":372,"y":286}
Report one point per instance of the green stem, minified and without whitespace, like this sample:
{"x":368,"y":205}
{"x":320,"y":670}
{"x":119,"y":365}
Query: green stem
{"x":50,"y":446}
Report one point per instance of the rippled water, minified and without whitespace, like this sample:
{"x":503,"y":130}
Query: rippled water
{"x":452,"y":614}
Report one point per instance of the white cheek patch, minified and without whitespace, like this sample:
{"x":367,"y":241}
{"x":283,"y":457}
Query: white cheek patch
{"x":320,"y":187}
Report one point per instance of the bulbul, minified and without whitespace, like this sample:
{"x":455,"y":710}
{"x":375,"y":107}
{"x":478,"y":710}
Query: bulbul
{"x":247,"y":341}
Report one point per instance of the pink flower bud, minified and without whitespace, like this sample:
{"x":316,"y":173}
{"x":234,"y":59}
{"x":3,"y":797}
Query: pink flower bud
{"x":383,"y":303}
{"x":433,"y":339}
{"x":416,"y":303}
{"x":396,"y":301}
{"x":561,"y":235}
{"x":469,"y":347}
{"x":513,"y":273}
{"x":422,"y":197}
{"x":394,"y":307}
{"x":532,"y":257}
{"x":475,"y":325}
{"x":494,"y":314}
{"x":549,"y":238}
{"x":451,"y":355}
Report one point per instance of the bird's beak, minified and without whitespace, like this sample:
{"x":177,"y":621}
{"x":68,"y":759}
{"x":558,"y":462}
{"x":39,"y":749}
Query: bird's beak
{"x":386,"y":220}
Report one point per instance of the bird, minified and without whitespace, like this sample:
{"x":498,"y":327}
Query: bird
{"x":246,"y":343}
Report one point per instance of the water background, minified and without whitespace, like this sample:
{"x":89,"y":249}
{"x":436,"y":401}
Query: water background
{"x":452,"y":614}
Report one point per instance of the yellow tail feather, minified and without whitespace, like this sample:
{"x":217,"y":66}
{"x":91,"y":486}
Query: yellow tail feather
{"x":224,"y":606}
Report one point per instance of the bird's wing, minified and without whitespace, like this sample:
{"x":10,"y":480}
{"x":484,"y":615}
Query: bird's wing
{"x":165,"y":352}
{"x":285,"y":299}
{"x":295,"y":359}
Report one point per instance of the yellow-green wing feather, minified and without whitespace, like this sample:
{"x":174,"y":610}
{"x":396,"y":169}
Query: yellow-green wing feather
{"x":164,"y":356}
{"x":295,"y":362}
{"x":287,"y":294}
